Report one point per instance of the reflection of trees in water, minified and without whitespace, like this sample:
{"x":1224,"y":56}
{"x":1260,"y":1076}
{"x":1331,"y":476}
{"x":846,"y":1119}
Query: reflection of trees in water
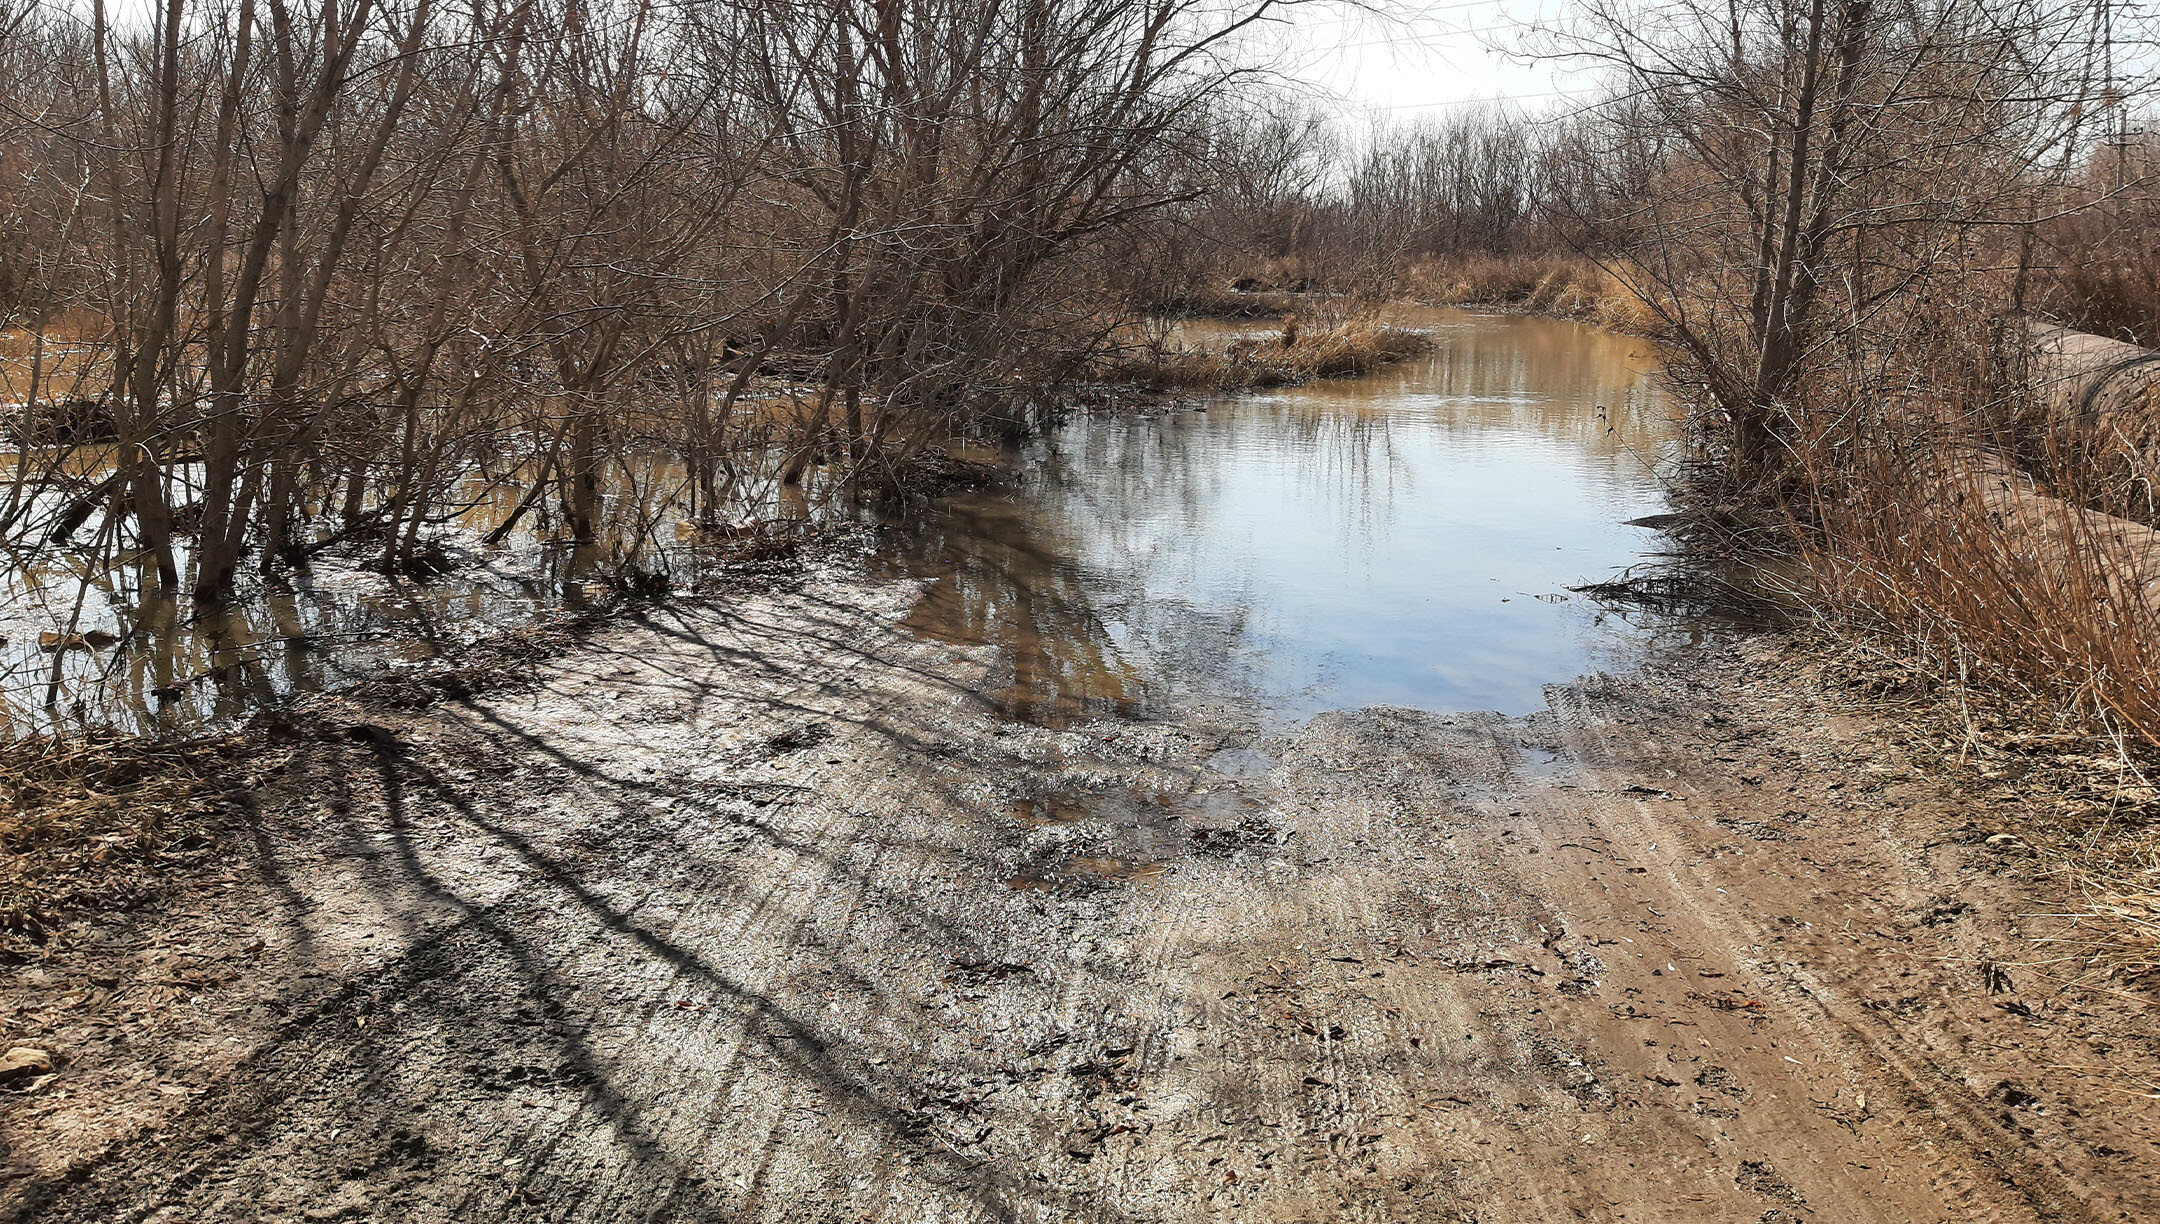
{"x":325,"y":623}
{"x":182,"y":667}
{"x":1002,"y":571}
{"x":1060,"y":578}
{"x":1072,"y":578}
{"x":1128,"y":481}
{"x":995,"y":579}
{"x":1540,"y":376}
{"x":1057,"y":578}
{"x":1352,"y":463}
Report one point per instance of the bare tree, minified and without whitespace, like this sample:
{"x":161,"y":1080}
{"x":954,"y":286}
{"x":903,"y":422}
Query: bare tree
{"x":332,"y":272}
{"x":1774,"y":177}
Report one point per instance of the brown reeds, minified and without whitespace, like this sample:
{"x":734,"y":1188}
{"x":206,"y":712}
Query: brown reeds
{"x":2113,"y":934}
{"x":1987,"y":579}
{"x":1263,"y":359}
{"x":2030,"y":618}
{"x":1553,"y":283}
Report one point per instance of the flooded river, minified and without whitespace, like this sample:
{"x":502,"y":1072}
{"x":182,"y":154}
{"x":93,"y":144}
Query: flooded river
{"x":1407,"y":537}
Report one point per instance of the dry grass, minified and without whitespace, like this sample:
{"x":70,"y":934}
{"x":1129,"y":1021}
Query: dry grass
{"x":94,"y":824}
{"x":2099,"y":267}
{"x":1336,"y":350}
{"x":1986,"y":579}
{"x":2029,"y":623}
{"x":1567,"y":285}
{"x":1258,"y":290}
{"x":2070,"y":808}
{"x":2114,"y":932}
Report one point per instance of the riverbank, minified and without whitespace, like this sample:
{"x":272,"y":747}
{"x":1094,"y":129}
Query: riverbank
{"x":101,"y":823}
{"x":1561,"y":285}
{"x":1987,"y":573}
{"x":1283,"y":354}
{"x":1128,"y":843}
{"x":758,"y":909}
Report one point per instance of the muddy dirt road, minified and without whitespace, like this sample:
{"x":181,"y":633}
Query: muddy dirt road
{"x":759,"y":910}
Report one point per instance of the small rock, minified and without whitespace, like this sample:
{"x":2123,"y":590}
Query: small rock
{"x":22,"y":1064}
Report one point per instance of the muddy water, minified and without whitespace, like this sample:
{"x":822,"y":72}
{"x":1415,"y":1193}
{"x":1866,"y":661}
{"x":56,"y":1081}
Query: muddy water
{"x":1405,"y":538}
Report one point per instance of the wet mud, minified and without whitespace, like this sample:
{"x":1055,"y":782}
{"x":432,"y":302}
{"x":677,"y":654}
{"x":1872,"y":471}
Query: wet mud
{"x":765,"y":908}
{"x":1103,"y":848}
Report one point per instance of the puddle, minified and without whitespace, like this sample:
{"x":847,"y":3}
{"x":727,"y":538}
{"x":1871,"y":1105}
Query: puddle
{"x":1147,"y":827}
{"x":1542,"y":762}
{"x":1241,"y":763}
{"x":1404,"y":538}
{"x":1132,"y":809}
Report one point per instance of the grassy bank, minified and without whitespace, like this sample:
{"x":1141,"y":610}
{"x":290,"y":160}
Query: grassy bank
{"x":1268,"y":359}
{"x":1976,"y":567}
{"x":2024,"y":627}
{"x":1562,"y":285}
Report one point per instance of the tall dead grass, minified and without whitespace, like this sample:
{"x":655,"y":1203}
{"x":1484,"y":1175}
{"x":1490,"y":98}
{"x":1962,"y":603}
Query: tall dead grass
{"x":1988,"y":580}
{"x":2033,"y":618}
{"x":1264,"y":358}
{"x":1561,"y":284}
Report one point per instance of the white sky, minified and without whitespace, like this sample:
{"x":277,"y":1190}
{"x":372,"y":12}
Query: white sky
{"x":1386,"y":58}
{"x":1431,"y":55}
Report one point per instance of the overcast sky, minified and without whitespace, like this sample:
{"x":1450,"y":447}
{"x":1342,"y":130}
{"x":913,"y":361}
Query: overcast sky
{"x":1443,"y":53}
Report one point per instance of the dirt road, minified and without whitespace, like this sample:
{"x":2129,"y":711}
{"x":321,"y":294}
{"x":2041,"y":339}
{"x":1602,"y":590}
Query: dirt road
{"x":759,"y":911}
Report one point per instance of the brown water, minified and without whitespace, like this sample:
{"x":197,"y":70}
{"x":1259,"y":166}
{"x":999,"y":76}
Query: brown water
{"x":1406,"y":537}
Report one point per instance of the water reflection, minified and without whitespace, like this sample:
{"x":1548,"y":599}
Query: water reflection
{"x":176,"y":667}
{"x":1403,"y":538}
